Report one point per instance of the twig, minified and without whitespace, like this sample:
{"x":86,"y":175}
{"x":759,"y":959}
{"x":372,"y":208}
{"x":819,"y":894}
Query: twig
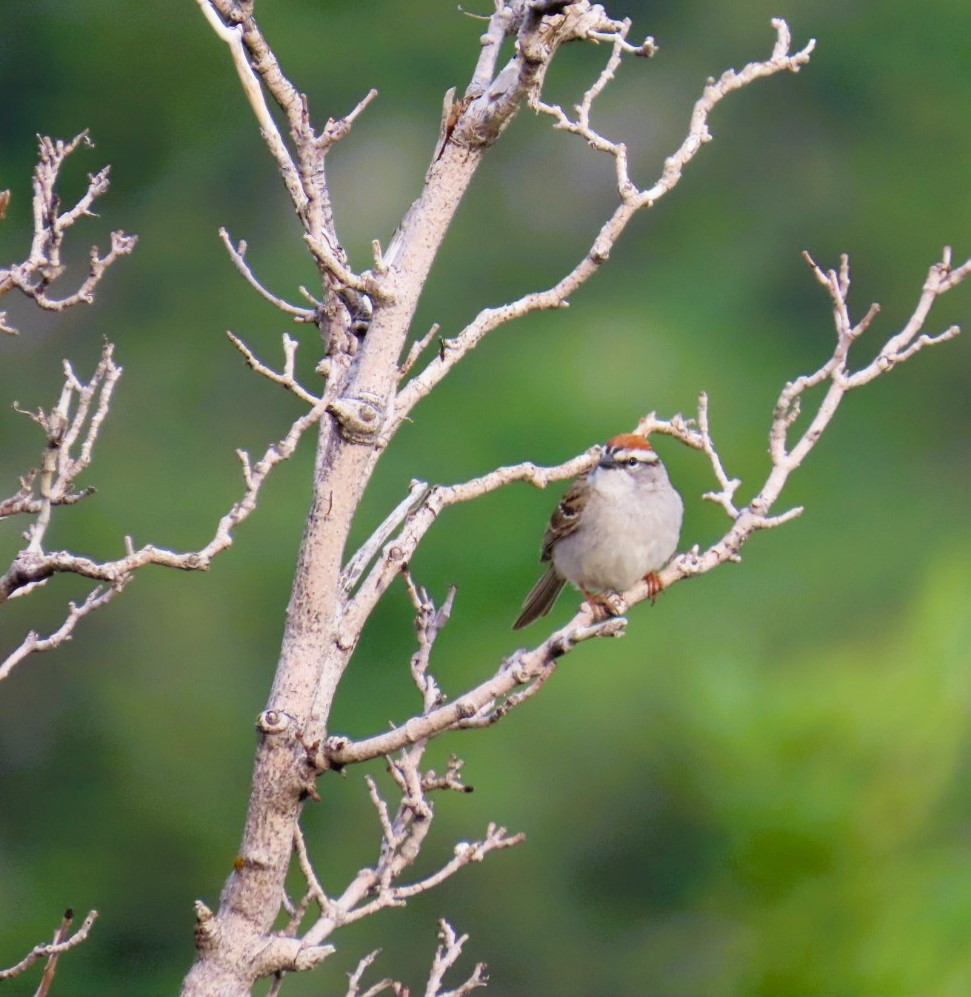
{"x":367,"y":551}
{"x":698,"y":439}
{"x":34,"y":643}
{"x":474,"y":707}
{"x":500,"y":25}
{"x":237,"y":254}
{"x":50,"y":969}
{"x":400,"y":549}
{"x":446,"y":955}
{"x":302,"y":166}
{"x":28,"y":568}
{"x":354,"y":980}
{"x":59,"y":467}
{"x":465,"y":853}
{"x":428,"y":623}
{"x":72,"y":428}
{"x":288,"y":378}
{"x":520,"y":675}
{"x":339,"y":128}
{"x":417,"y":348}
{"x":329,"y":258}
{"x":50,"y":950}
{"x":632,"y":200}
{"x":787,"y":457}
{"x":43,"y":266}
{"x":232,"y":35}
{"x":403,"y":835}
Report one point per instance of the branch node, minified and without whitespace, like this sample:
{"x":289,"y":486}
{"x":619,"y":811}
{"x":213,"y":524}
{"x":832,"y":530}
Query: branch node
{"x":274,"y":722}
{"x":361,"y":416}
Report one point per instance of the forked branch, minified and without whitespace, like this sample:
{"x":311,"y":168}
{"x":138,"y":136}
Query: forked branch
{"x":71,"y":430}
{"x":446,"y":955}
{"x":371,"y":399}
{"x":300,"y":157}
{"x":63,"y":942}
{"x":44,"y":265}
{"x":524,"y":671}
{"x":632,"y":198}
{"x":237,"y":253}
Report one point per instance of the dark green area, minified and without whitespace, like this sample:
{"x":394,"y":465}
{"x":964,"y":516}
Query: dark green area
{"x":762,"y":790}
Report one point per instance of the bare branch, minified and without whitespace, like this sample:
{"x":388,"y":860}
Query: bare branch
{"x":403,"y":835}
{"x":417,"y":348}
{"x":898,"y":348}
{"x":785,"y":457}
{"x":502,"y":24}
{"x":632,"y":199}
{"x":72,"y":428}
{"x":520,"y":675}
{"x":781,"y":60}
{"x":233,"y":36}
{"x":329,"y":258}
{"x":24,"y":502}
{"x":402,"y":838}
{"x":288,"y":377}
{"x":337,"y":129}
{"x":394,"y":896}
{"x":34,"y":276}
{"x":50,"y":969}
{"x":315,"y":891}
{"x":354,"y":980}
{"x":698,"y":439}
{"x":31,"y":566}
{"x":301,"y":164}
{"x":428,"y":623}
{"x":496,"y":837}
{"x":528,"y":685}
{"x":617,"y":38}
{"x":369,"y":549}
{"x":59,"y":468}
{"x":400,"y":549}
{"x":51,"y":950}
{"x":237,"y":254}
{"x":446,"y":955}
{"x":33,"y":642}
{"x":478,"y":706}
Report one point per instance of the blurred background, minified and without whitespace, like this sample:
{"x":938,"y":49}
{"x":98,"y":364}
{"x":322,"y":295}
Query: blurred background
{"x":764,"y":788}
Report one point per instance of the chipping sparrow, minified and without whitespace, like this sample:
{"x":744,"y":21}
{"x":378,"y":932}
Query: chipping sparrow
{"x":617,"y":524}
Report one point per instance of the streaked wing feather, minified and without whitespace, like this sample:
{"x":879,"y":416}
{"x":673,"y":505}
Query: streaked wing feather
{"x":565,"y":518}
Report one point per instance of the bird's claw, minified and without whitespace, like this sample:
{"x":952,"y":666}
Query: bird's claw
{"x":654,"y":585}
{"x":604,"y":605}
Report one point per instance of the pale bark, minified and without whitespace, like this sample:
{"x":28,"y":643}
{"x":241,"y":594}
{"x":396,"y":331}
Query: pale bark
{"x":372,"y":385}
{"x":234,"y":946}
{"x":365,"y":321}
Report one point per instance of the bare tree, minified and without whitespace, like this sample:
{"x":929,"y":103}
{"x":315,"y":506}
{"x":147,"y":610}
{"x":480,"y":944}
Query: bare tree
{"x":376,"y":370}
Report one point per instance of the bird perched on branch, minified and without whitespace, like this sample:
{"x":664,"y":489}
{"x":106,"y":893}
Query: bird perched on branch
{"x":618,"y":523}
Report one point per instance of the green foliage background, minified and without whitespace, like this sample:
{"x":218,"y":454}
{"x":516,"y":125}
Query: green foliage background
{"x":763,"y":789}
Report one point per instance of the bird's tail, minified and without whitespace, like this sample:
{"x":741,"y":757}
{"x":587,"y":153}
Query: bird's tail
{"x":541,"y":598}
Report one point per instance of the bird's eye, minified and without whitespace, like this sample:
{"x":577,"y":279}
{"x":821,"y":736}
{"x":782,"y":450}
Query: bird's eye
{"x":632,"y":462}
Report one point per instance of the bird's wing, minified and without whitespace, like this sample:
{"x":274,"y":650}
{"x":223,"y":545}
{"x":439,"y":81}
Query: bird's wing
{"x":566,"y":517}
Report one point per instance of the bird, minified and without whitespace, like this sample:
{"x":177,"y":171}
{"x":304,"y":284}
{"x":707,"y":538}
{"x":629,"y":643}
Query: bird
{"x":617,"y":524}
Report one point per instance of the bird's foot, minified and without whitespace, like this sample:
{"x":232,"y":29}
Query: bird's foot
{"x":654,"y":585}
{"x":605,"y":605}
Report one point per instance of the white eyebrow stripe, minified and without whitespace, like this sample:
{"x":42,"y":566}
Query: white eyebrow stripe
{"x":644,"y":456}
